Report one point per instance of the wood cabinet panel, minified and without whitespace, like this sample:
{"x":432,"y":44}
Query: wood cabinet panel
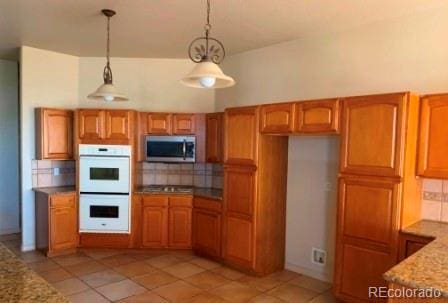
{"x":373,"y":135}
{"x":63,"y":223}
{"x":159,"y":123}
{"x":320,"y":116}
{"x":154,"y":226}
{"x":207,"y":232}
{"x":183,"y":124}
{"x":241,"y":135}
{"x":277,"y":118}
{"x":433,"y":140}
{"x":181,"y":201}
{"x":179,"y":227}
{"x":239,"y":190}
{"x":118,"y":125}
{"x":410,"y":244}
{"x":238,"y":241}
{"x":54,"y":134}
{"x":91,"y":124}
{"x":214,"y":136}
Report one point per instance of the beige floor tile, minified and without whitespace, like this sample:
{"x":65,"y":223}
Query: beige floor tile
{"x":146,"y":297}
{"x":262,"y":284}
{"x":183,"y":270}
{"x":120,"y":290}
{"x":97,"y":254}
{"x":117,"y":260}
{"x":88,"y":296}
{"x":265,"y":299}
{"x":292,"y":293}
{"x":32,"y":256}
{"x":285,"y":275}
{"x":178,"y":291}
{"x":55,"y":275}
{"x":9,"y":237}
{"x":70,"y":286}
{"x":326,"y":297}
{"x":71,"y":259}
{"x":207,"y":280}
{"x":85,"y":268}
{"x":228,"y":273}
{"x":155,"y":279}
{"x":42,"y":266}
{"x":163,"y":261}
{"x":235,"y":292}
{"x":205,"y":263}
{"x":311,"y":283}
{"x":183,"y":255}
{"x":134,"y":269}
{"x":206,"y":297}
{"x":103,"y":277}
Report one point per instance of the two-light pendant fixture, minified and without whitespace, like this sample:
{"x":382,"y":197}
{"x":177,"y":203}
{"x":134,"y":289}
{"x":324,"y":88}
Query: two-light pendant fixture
{"x":206,"y":51}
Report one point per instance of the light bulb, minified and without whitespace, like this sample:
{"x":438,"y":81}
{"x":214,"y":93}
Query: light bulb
{"x":109,"y":98}
{"x":207,"y":81}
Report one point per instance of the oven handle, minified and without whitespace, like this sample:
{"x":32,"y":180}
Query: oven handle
{"x":184,"y":149}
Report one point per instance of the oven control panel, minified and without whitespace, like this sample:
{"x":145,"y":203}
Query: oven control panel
{"x":104,"y":150}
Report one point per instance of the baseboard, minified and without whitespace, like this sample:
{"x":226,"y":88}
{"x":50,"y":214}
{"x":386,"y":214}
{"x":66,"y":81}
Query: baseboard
{"x":28,"y":247}
{"x":9,"y":231}
{"x":323,"y":276}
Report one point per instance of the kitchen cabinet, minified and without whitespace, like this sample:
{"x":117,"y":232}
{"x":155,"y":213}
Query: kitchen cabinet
{"x":378,"y":191}
{"x":214,"y":137}
{"x":317,"y":117}
{"x":183,"y":124}
{"x":117,"y":125}
{"x":241,"y":135}
{"x":277,"y":118}
{"x":158,"y":123}
{"x":207,"y":222}
{"x":91,"y":124}
{"x":56,"y":223}
{"x":410,"y":244}
{"x":433,"y":140}
{"x":54,"y":134}
{"x":179,"y":228}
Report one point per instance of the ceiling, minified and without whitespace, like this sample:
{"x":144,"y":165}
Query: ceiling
{"x":164,"y":28}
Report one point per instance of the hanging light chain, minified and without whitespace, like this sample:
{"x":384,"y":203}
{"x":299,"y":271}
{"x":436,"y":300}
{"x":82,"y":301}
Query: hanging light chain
{"x":107,"y":73}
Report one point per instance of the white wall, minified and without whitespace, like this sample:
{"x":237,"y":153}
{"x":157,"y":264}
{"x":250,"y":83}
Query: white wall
{"x":9,"y":147}
{"x":410,"y":53}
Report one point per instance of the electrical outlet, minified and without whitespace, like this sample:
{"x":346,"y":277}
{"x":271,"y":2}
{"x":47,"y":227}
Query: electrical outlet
{"x":56,"y":171}
{"x":318,"y":256}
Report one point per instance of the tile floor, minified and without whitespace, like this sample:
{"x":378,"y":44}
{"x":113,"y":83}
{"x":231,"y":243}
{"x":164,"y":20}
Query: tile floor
{"x":109,"y":275}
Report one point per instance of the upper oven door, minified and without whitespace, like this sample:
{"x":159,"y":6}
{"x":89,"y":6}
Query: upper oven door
{"x":104,"y":174}
{"x":171,"y":148}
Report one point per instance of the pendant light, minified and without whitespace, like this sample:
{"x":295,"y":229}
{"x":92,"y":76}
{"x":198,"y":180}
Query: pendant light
{"x":107,"y":91}
{"x":207,"y":52}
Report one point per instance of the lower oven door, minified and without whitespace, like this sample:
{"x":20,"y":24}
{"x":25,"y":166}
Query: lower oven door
{"x":104,"y":213}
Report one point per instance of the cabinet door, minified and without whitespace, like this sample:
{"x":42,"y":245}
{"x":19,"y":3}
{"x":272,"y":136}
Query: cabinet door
{"x":54,"y":133}
{"x":63,"y":223}
{"x":238,"y":242}
{"x":277,"y":118}
{"x":159,"y":123}
{"x":214,"y":137}
{"x":154,"y":226}
{"x":318,"y":117}
{"x":207,"y":232}
{"x":372,"y":135}
{"x":433,"y":145}
{"x":91,"y":124}
{"x":239,"y":191}
{"x":179,"y":227}
{"x":241,"y":135}
{"x":118,"y":125}
{"x":183,"y":124}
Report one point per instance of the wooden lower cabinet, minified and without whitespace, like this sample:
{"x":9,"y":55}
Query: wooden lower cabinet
{"x":238,"y":247}
{"x":179,"y":227}
{"x":56,"y":223}
{"x":154,"y":226}
{"x":410,"y":244}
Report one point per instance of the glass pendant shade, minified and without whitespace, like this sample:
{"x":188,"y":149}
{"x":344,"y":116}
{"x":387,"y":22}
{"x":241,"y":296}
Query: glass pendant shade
{"x":207,"y":74}
{"x":107,"y":92}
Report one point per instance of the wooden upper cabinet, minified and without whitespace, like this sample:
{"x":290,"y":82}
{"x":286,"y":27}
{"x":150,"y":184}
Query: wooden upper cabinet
{"x":158,"y":123}
{"x":373,"y":135}
{"x":118,"y":124}
{"x":277,"y":118}
{"x":54,"y":133}
{"x":241,"y":135}
{"x":91,"y":124}
{"x":183,"y":124}
{"x":63,"y":223}
{"x":213,"y":138}
{"x":433,"y":144}
{"x":320,"y":116}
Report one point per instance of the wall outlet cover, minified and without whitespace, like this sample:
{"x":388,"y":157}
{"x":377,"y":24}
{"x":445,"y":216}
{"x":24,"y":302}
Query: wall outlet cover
{"x":318,"y":256}
{"x":56,"y":171}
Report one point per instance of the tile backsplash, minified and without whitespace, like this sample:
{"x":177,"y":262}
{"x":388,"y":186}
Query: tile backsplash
{"x":197,"y":174}
{"x":44,"y":173}
{"x":435,"y":200}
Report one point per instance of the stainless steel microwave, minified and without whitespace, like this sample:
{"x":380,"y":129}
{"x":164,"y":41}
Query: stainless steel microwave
{"x":170,"y":149}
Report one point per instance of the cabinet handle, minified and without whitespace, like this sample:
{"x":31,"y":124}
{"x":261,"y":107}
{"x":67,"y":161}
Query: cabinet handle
{"x":184,"y":149}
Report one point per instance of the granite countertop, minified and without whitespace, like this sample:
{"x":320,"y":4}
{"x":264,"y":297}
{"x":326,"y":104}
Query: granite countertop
{"x":212,"y":193}
{"x":18,"y":283}
{"x":427,"y":268}
{"x":56,"y":190}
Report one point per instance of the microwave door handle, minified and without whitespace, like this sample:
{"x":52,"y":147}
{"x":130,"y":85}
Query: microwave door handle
{"x":184,"y":149}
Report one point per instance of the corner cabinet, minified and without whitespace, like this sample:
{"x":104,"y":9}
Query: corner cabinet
{"x":433,"y":144}
{"x":54,"y":134}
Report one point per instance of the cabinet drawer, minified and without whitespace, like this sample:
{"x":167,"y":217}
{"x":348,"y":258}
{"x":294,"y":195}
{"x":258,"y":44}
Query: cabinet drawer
{"x":155,"y":200}
{"x":68,"y":200}
{"x":181,"y":201}
{"x":208,"y":204}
